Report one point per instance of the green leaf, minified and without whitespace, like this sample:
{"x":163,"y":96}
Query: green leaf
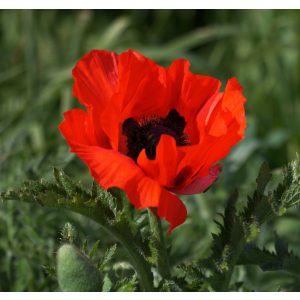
{"x":63,"y":193}
{"x":269,"y":261}
{"x":170,"y":286}
{"x":287,"y":194}
{"x":66,"y":183}
{"x":225,"y":244}
{"x":84,"y":246}
{"x":107,"y":257}
{"x":238,"y":229}
{"x":258,"y":206}
{"x":127,"y":284}
{"x":107,"y":284}
{"x":94,"y":249}
{"x":194,"y":278}
{"x":159,"y":255}
{"x":69,"y":233}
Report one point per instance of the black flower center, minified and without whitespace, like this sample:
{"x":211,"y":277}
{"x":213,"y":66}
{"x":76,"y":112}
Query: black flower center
{"x":145,"y":134}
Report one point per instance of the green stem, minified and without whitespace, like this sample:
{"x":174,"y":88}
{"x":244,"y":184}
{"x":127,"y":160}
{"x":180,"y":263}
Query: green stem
{"x":139,"y":263}
{"x":159,"y":244}
{"x":227,"y":276}
{"x":141,"y":266}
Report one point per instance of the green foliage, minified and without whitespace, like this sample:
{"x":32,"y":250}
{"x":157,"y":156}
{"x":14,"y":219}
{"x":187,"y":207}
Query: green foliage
{"x":169,"y":286}
{"x":68,"y":233}
{"x":127,"y":284}
{"x":159,"y":255}
{"x":191,"y":277}
{"x":231,"y":245}
{"x":94,"y":249}
{"x":39,"y":50}
{"x":269,"y":261}
{"x":105,"y":209}
{"x":75,"y":273}
{"x":107,"y":257}
{"x":107,"y":284}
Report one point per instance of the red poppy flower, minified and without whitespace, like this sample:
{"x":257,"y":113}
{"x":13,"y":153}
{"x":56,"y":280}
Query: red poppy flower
{"x":154,"y":132}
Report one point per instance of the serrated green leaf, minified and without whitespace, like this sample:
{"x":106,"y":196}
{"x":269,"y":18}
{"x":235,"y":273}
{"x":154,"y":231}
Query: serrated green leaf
{"x":193,"y":278}
{"x":69,"y":233}
{"x":158,"y":251}
{"x":251,"y":230}
{"x":120,"y":196}
{"x":269,"y":261}
{"x":287,"y":194}
{"x":55,"y":195}
{"x":66,"y":183}
{"x":127,"y":284}
{"x":107,"y":284}
{"x":170,"y":286}
{"x":107,"y":256}
{"x":94,"y":249}
{"x":84,"y":246}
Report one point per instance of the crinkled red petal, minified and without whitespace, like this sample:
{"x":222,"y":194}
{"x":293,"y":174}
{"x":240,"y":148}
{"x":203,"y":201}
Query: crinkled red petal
{"x":116,"y":87}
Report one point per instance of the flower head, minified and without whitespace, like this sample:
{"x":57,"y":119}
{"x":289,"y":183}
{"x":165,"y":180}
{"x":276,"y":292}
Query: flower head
{"x":154,"y":132}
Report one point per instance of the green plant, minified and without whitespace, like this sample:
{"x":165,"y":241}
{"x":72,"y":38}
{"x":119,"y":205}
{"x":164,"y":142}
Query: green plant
{"x":39,"y":49}
{"x":231,"y":246}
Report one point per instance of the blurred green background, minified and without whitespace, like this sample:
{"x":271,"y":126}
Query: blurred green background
{"x":38,"y":51}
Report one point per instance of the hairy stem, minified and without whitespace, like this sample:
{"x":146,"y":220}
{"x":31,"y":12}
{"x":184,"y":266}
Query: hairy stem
{"x":232,"y":263}
{"x":141,"y":266}
{"x":159,"y":244}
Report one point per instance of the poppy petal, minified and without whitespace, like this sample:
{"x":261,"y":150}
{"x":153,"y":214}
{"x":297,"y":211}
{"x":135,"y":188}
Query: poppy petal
{"x":116,"y":87}
{"x":143,"y":87}
{"x":200,"y":184}
{"x":142,"y":92}
{"x":163,"y":167}
{"x":229,"y":109}
{"x":174,"y":167}
{"x":221,"y":123}
{"x":95,"y":78}
{"x":95,"y":81}
{"x":191,"y":92}
{"x":113,"y":169}
{"x":171,"y":209}
{"x":77,"y":127}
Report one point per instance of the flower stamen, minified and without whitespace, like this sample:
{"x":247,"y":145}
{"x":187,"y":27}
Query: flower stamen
{"x":145,"y":133}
